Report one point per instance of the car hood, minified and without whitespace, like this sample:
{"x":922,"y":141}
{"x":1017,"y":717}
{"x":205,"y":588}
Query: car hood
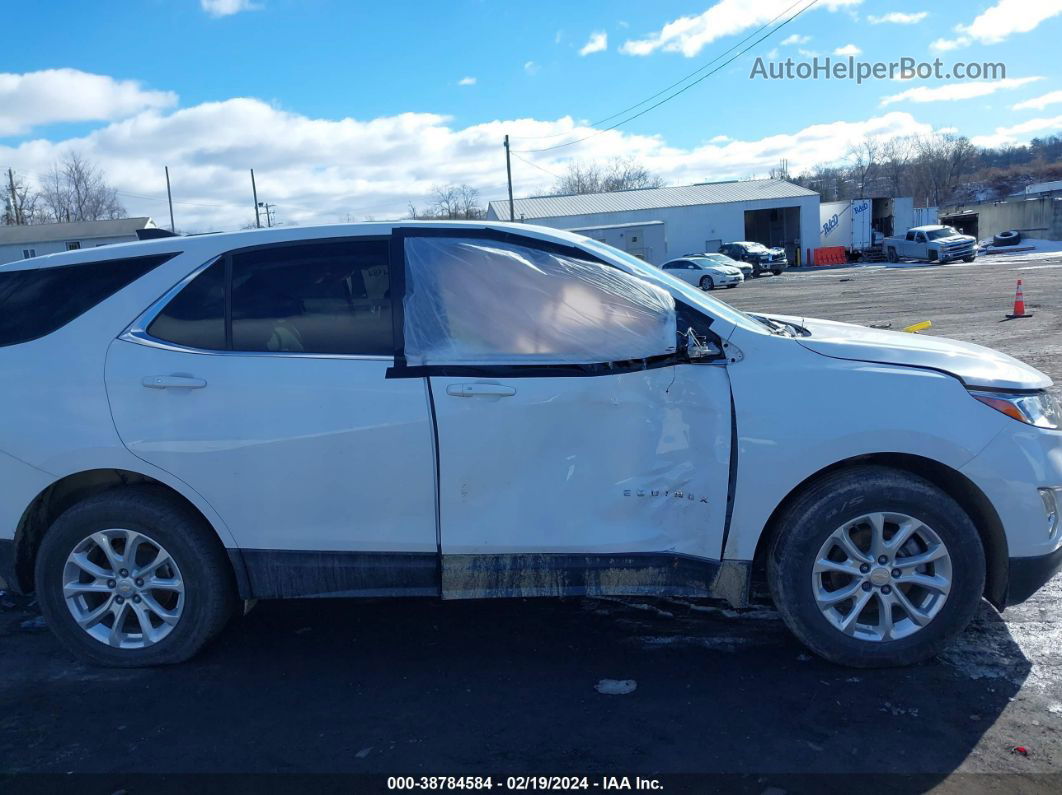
{"x":952,"y":239}
{"x":974,"y":365}
{"x":721,"y":270}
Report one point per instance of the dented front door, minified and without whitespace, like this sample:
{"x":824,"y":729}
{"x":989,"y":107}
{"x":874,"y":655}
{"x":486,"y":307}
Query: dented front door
{"x":584,"y":484}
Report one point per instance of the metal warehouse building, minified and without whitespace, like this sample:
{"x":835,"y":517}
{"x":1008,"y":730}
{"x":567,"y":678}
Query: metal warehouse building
{"x":658,"y":224}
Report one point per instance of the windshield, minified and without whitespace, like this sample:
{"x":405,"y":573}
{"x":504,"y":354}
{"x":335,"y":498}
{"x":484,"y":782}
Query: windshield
{"x":678,"y":288}
{"x":755,"y":248}
{"x":947,"y":231}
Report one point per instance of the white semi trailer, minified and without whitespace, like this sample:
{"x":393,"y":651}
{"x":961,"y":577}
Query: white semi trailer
{"x":860,"y":225}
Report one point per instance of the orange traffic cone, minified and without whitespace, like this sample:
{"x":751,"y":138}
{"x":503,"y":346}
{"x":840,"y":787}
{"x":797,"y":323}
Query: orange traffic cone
{"x":1019,"y":305}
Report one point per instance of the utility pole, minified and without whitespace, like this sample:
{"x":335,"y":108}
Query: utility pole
{"x":169,"y":197}
{"x":509,"y":174}
{"x":16,"y":211}
{"x":254,"y":192}
{"x":270,"y":211}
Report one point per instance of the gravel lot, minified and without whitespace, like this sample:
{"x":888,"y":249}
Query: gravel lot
{"x":424,"y":687}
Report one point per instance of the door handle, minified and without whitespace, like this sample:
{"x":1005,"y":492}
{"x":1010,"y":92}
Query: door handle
{"x":173,"y":382}
{"x":480,"y":390}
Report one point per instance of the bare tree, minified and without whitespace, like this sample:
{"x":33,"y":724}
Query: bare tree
{"x":830,"y":182}
{"x":617,"y":174}
{"x":21,"y":203}
{"x":896,"y":154}
{"x":76,"y":190}
{"x":863,"y":158}
{"x":454,"y":202}
{"x":942,"y":161}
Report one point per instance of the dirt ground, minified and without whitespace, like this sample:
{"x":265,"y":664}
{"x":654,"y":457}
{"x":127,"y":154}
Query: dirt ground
{"x":506,"y":687}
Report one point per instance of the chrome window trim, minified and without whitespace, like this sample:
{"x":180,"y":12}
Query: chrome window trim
{"x":137,"y":331}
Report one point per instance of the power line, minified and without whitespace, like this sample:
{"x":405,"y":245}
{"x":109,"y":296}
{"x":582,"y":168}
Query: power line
{"x":163,"y":199}
{"x":680,"y":91}
{"x":535,"y":165}
{"x":678,"y":82}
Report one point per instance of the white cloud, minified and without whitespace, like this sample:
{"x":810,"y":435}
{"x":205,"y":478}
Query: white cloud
{"x":320,"y":170}
{"x":689,"y":35}
{"x":531,"y":67}
{"x":224,"y":8}
{"x":795,"y":38}
{"x":466,"y":81}
{"x":1001,"y":21}
{"x":65,"y":95}
{"x":955,"y":91}
{"x":598,"y":42}
{"x":1039,"y":103}
{"x":1012,"y":135}
{"x":947,"y":45}
{"x":898,"y":18}
{"x":848,"y":49}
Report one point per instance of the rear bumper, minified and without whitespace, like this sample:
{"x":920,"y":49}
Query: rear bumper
{"x":7,"y":565}
{"x":1029,"y":575}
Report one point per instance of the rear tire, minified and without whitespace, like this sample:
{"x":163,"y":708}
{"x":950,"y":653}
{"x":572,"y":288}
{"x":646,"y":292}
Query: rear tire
{"x":795,"y":565}
{"x":207,"y":596}
{"x":890,"y":255}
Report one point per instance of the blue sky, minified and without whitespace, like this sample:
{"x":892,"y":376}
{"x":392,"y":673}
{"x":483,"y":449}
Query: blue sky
{"x":358,"y":108}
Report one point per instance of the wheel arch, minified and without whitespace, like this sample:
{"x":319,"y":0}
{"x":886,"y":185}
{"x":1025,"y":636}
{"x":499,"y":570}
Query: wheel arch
{"x":71,"y":489}
{"x":952,"y":482}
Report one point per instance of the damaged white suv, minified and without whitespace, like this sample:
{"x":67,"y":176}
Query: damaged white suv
{"x":487,"y":410}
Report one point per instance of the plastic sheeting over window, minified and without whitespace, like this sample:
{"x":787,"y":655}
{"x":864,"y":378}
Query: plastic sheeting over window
{"x":474,"y":301}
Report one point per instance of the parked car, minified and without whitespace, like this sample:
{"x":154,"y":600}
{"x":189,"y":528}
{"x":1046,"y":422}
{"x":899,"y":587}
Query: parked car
{"x":474,"y":410}
{"x":704,"y":272}
{"x":933,"y":243}
{"x":723,"y":259}
{"x":762,"y":259}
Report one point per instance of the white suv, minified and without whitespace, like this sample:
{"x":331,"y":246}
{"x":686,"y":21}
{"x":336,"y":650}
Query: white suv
{"x":485,"y":410}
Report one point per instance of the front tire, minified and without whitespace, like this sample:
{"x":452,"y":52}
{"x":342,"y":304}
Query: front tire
{"x":829,"y":582}
{"x":707,"y":283}
{"x":132,"y":577}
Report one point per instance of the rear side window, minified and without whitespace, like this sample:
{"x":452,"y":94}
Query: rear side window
{"x":317,"y":298}
{"x":313,"y":298}
{"x":195,"y":317}
{"x":34,"y":303}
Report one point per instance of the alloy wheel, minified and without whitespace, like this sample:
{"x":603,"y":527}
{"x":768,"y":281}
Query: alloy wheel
{"x":123,"y":588}
{"x":882,"y":576}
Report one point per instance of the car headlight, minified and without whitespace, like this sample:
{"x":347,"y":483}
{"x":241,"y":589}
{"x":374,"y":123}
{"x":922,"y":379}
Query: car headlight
{"x":1038,"y":408}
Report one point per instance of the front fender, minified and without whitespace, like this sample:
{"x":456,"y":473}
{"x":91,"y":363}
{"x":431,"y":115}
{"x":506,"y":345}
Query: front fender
{"x":799,"y":412}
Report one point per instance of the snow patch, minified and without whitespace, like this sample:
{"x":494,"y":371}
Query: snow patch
{"x":616,"y":687}
{"x":728,"y":643}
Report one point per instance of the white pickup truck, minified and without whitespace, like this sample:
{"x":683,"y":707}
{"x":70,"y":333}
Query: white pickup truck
{"x":933,"y":243}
